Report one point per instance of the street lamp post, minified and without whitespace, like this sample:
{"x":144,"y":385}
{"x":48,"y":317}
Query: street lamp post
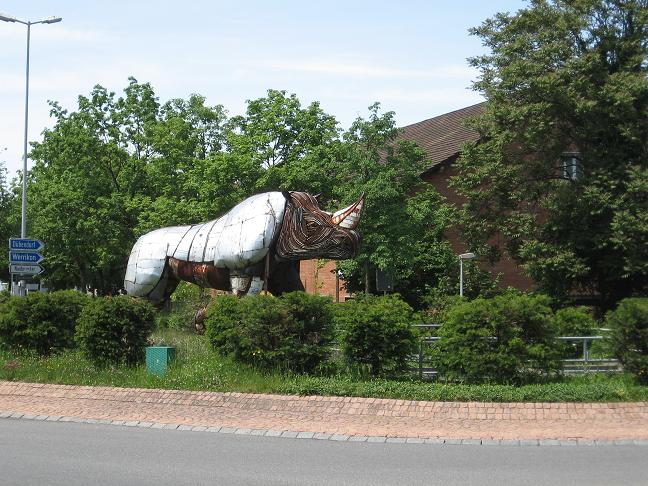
{"x":462,"y":257}
{"x":48,"y":20}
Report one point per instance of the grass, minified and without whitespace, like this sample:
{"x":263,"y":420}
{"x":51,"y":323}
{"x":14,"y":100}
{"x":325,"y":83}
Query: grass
{"x":197,"y":367}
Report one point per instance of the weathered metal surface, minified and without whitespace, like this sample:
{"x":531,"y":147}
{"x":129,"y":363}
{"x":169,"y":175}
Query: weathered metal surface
{"x":182,"y":251}
{"x":251,"y":244}
{"x":308,"y":232}
{"x":148,"y":258}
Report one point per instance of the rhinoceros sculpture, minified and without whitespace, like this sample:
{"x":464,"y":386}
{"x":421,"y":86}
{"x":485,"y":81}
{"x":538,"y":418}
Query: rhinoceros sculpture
{"x":256,"y":244}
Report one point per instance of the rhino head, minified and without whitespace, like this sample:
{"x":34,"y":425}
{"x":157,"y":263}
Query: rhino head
{"x":308,"y":232}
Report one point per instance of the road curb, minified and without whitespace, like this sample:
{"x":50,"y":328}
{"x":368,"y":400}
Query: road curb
{"x":305,"y":435}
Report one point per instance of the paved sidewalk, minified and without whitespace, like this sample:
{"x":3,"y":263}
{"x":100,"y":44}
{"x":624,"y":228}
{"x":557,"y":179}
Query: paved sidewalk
{"x":341,"y":418}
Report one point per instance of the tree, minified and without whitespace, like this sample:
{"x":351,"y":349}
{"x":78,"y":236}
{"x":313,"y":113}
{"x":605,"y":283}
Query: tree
{"x":9,"y":224}
{"x":404,"y":218}
{"x":560,"y":170}
{"x":290,"y":146}
{"x":79,"y":188}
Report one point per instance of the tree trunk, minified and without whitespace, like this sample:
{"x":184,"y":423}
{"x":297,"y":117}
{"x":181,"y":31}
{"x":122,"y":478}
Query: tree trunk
{"x":366,"y":272}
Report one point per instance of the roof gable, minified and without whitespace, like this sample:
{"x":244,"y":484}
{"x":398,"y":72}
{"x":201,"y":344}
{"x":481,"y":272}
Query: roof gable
{"x":441,"y":137}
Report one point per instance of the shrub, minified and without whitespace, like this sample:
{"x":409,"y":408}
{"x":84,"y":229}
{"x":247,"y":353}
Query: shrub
{"x":224,"y":325}
{"x":506,"y":339}
{"x":629,"y":335}
{"x":114,"y":330}
{"x":376,"y":332}
{"x":290,"y":332}
{"x":42,"y":322}
{"x":574,"y":321}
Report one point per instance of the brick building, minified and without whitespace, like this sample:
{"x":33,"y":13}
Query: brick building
{"x":441,"y":139}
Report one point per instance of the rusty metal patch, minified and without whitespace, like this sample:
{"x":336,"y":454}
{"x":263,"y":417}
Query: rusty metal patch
{"x":202,"y":274}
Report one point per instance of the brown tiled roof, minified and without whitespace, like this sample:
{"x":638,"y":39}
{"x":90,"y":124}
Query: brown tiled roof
{"x":441,"y":137}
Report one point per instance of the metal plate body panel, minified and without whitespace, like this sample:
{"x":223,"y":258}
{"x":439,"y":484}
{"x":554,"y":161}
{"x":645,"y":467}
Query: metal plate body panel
{"x":148,"y":257}
{"x":197,"y":252}
{"x":213,"y":239}
{"x":184,"y":247}
{"x":243,"y":236}
{"x":237,"y":239}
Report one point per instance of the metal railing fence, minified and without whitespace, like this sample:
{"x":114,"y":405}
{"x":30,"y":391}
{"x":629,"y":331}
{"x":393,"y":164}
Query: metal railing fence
{"x":581,"y":365}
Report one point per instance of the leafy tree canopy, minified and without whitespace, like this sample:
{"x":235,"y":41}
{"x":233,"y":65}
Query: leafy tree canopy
{"x":561,"y":169}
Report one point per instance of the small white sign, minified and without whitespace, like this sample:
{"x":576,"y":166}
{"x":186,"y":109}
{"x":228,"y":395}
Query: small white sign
{"x":25,"y":269}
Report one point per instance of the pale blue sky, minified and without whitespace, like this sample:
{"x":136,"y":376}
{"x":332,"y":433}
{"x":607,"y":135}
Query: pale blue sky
{"x":408,"y":55}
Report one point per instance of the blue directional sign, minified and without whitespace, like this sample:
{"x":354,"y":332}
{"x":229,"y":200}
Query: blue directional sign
{"x":25,"y":257}
{"x":25,"y":244}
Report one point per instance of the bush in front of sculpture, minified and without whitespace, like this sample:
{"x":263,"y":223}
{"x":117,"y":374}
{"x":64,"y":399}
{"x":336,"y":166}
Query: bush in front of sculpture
{"x":41,"y":322}
{"x":290,"y":333}
{"x":629,"y":340}
{"x":508,"y":339}
{"x":114,"y":330}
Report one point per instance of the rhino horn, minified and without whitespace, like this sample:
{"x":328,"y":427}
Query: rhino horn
{"x":349,"y":217}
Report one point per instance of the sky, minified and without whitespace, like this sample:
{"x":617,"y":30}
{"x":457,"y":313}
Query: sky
{"x":409,"y":55}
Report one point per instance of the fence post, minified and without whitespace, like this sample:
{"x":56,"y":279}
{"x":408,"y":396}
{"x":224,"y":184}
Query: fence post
{"x":585,"y":356}
{"x":420,"y":360}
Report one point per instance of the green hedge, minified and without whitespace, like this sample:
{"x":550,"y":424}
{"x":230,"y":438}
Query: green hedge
{"x":629,"y":336}
{"x":41,"y":322}
{"x":291,"y":332}
{"x":506,"y":339}
{"x":376,"y":333}
{"x":114,"y":330}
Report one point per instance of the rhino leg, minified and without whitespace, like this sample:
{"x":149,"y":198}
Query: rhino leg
{"x":284,"y":277}
{"x":248,"y":281}
{"x":256,"y":286}
{"x":164,"y":288}
{"x":240,"y":284}
{"x":246,"y":285}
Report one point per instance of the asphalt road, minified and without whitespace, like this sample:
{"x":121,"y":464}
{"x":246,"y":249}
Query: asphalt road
{"x":56,"y":453}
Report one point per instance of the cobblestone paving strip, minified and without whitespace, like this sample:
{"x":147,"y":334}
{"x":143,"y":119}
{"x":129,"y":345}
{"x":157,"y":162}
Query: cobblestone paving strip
{"x":333,"y":418}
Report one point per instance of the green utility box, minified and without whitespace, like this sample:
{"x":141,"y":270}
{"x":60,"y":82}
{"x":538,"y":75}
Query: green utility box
{"x":158,"y":359}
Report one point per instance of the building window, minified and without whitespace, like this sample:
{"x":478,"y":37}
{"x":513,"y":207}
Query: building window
{"x":571,"y":166}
